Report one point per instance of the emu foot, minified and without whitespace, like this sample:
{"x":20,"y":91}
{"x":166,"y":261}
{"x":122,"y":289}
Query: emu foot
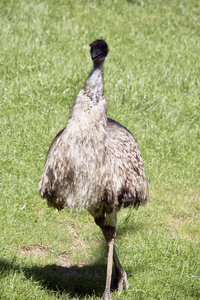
{"x":106,"y":296}
{"x":120,"y":281}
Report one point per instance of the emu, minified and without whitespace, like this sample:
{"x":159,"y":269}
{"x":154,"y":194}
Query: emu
{"x":94,"y":163}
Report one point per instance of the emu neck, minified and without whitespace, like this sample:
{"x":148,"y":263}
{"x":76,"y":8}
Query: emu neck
{"x":94,"y":84}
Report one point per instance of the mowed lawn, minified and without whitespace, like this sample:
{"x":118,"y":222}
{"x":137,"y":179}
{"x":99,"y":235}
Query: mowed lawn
{"x":152,"y":86}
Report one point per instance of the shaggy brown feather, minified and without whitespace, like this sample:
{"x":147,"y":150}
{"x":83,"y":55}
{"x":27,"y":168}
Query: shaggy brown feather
{"x":94,"y":158}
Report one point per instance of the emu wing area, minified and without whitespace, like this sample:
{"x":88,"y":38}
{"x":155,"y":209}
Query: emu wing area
{"x":127,"y":169}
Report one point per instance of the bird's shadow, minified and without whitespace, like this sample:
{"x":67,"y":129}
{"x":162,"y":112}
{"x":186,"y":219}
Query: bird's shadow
{"x":75,"y":281}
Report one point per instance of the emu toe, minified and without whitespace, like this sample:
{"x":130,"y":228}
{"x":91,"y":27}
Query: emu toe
{"x":120,"y":281}
{"x":106,"y":296}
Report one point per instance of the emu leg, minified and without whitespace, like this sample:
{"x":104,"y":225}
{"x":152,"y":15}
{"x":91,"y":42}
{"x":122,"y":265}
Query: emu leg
{"x":108,"y":227}
{"x":106,"y":295}
{"x":120,"y":275}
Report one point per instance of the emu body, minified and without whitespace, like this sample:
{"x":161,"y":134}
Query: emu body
{"x":94,"y":163}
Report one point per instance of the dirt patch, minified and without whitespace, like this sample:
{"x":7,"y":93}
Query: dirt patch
{"x":64,"y":261}
{"x":32,"y":250}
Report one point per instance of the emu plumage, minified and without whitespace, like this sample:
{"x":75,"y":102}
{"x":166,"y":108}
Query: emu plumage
{"x":94,"y":163}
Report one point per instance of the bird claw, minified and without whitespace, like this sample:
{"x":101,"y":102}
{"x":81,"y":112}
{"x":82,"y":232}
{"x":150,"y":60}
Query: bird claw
{"x":106,"y":296}
{"x":120,"y":281}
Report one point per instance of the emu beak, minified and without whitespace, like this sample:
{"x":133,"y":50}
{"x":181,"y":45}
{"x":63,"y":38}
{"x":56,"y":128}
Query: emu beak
{"x":95,"y":53}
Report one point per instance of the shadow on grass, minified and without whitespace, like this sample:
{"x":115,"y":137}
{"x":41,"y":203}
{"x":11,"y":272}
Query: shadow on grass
{"x":74,"y":281}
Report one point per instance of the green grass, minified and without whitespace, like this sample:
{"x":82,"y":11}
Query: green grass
{"x":152,"y":85}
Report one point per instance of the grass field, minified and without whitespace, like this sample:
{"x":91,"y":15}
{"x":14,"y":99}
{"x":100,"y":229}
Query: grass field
{"x":152,"y":86}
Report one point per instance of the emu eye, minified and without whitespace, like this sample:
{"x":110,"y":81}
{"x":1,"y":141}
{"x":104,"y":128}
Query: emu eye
{"x":104,"y":49}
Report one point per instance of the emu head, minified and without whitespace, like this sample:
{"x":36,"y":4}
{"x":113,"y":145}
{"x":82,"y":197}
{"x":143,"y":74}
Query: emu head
{"x":98,"y":51}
